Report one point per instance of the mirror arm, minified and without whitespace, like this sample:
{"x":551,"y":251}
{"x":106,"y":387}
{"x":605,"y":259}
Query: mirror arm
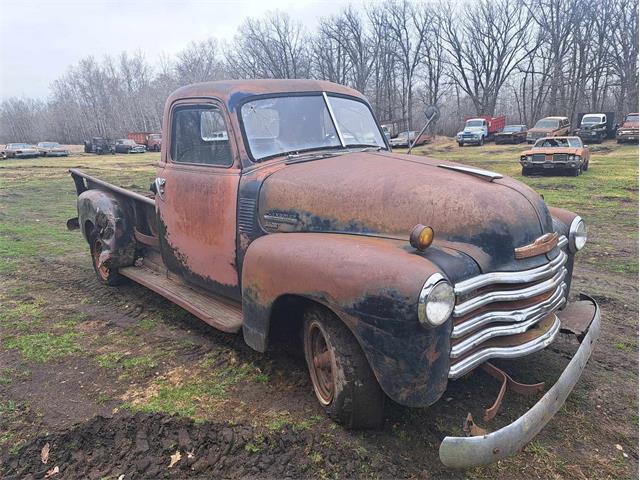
{"x":421,"y":132}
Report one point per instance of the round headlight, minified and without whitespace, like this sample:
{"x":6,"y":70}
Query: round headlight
{"x":577,"y":235}
{"x":437,"y":300}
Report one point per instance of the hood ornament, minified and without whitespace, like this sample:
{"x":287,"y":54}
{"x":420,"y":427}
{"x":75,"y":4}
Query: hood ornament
{"x":543,"y":244}
{"x":478,"y":172}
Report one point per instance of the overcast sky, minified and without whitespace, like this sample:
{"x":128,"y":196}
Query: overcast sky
{"x":39,"y":40}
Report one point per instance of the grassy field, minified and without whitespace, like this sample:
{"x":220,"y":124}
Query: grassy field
{"x":71,"y":349}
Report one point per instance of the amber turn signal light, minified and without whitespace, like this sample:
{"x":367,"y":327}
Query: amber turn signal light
{"x":421,"y":237}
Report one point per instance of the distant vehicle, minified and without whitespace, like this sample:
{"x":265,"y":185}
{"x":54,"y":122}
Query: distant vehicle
{"x":478,"y":130}
{"x":125,"y":145}
{"x":549,"y":127}
{"x":404,"y":139}
{"x":386,"y":131}
{"x":20,"y":150}
{"x":152,"y":141}
{"x":595,"y":127}
{"x":99,"y":145}
{"x":52,"y":149}
{"x":512,"y":134}
{"x":556,"y":153}
{"x":628,"y":131}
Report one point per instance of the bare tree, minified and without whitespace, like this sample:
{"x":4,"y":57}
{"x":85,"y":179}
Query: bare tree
{"x":273,"y":47}
{"x":487,"y":41}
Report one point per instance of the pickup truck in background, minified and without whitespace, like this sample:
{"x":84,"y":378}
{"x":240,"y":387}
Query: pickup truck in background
{"x":549,"y":127}
{"x":478,"y":130}
{"x":595,"y":127}
{"x":628,"y":131}
{"x":152,"y":141}
{"x":278,"y":211}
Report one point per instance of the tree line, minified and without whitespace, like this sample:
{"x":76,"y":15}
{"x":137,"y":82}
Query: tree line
{"x":522,"y":58}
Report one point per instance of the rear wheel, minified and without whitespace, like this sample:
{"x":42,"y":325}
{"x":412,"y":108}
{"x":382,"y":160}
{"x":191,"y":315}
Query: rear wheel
{"x":342,"y":380}
{"x":106,"y":275}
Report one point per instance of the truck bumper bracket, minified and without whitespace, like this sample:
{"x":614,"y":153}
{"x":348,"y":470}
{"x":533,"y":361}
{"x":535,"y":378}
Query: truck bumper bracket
{"x":464,"y":452}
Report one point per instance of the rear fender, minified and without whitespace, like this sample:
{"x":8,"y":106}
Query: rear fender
{"x":372,"y":285}
{"x":104,"y":214}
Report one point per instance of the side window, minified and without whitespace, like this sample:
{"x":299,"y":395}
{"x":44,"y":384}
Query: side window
{"x":199,"y":135}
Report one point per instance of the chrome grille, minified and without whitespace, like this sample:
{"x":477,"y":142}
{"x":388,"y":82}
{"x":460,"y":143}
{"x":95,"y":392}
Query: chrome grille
{"x":494,"y":306}
{"x":560,"y":157}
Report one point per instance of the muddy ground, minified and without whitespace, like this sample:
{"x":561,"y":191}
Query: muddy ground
{"x":119,"y":383}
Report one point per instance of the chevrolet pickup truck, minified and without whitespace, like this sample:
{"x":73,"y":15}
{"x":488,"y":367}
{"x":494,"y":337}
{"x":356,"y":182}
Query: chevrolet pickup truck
{"x":279,"y":209}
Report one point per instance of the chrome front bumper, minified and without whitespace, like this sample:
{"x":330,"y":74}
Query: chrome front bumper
{"x":465,"y":452}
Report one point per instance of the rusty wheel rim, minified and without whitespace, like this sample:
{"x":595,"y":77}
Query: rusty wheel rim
{"x":102,"y":270}
{"x":321,"y":363}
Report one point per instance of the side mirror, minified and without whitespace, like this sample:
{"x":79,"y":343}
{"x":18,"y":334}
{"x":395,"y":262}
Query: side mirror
{"x":432,"y":113}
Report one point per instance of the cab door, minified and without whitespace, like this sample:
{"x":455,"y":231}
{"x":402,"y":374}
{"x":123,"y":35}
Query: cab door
{"x":197,"y":188}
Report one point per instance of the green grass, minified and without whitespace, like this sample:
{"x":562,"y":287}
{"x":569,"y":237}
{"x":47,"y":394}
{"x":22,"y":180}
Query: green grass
{"x":42,"y":347}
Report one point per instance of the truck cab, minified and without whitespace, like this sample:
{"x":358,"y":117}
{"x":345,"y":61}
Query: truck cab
{"x":278,"y":209}
{"x":475,"y":132}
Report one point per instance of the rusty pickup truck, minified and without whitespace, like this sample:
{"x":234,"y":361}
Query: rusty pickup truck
{"x":278,"y":209}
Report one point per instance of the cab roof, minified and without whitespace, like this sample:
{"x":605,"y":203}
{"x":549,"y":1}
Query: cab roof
{"x":554,"y":118}
{"x":232,"y":92}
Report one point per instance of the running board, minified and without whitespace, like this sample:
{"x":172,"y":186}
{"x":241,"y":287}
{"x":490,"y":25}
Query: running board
{"x":218,"y":313}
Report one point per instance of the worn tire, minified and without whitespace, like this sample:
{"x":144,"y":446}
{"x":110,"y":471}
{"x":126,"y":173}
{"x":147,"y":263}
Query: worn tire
{"x":355,"y":399}
{"x":481,"y":141}
{"x":107,"y":276}
{"x":525,"y":172}
{"x":460,"y":144}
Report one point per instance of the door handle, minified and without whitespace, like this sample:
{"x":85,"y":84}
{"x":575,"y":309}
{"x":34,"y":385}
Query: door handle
{"x":158,"y":185}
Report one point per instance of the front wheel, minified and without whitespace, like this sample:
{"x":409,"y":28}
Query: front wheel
{"x":482,"y":141}
{"x":525,"y":172}
{"x":342,"y":380}
{"x":460,"y":144}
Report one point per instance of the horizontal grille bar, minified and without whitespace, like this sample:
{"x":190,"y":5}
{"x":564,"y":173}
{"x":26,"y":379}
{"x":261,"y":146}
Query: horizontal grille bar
{"x":522,"y":326}
{"x":473,"y":360}
{"x":560,"y":157}
{"x":523,"y":276}
{"x":510,"y":295}
{"x":520,"y":315}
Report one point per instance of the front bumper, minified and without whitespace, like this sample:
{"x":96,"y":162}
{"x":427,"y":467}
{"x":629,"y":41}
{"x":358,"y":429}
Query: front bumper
{"x":628,"y":137}
{"x":550,"y":165}
{"x":465,"y":452}
{"x":470,"y":141}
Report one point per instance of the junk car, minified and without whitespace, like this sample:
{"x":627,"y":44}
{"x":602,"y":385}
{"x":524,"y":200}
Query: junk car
{"x":279,"y":210}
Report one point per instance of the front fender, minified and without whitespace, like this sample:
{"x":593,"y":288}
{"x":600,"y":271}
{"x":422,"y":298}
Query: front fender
{"x":373,"y":285}
{"x":111,"y":218}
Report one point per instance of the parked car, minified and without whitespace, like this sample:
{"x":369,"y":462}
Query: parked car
{"x":286,"y":228}
{"x":153,"y":141}
{"x":512,"y":134}
{"x":52,"y":149}
{"x":100,"y":146}
{"x":19,"y":150}
{"x":478,"y":130}
{"x":566,"y":154}
{"x":403,"y":139}
{"x":628,"y":131}
{"x":549,"y":127}
{"x":125,"y":145}
{"x":595,"y":127}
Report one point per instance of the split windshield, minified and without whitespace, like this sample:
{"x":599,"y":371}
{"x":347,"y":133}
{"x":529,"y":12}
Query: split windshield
{"x":298,"y":123}
{"x":512,"y":128}
{"x":475,"y":123}
{"x":631,"y":118}
{"x":591,"y":119}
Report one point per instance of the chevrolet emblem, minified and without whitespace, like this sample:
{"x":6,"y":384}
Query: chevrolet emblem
{"x":543,"y":244}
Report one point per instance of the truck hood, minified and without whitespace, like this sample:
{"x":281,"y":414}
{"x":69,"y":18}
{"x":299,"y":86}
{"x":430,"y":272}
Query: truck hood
{"x":385,"y":194}
{"x":473,"y":130}
{"x":630,"y":125}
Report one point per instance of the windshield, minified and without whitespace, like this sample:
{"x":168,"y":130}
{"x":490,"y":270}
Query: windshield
{"x":18,"y":145}
{"x":547,"y":123}
{"x":475,"y":123}
{"x":290,"y":124}
{"x":48,"y":144}
{"x":512,"y":128}
{"x":155,"y":137}
{"x":631,"y":118}
{"x":592,"y":119}
{"x":574,"y":142}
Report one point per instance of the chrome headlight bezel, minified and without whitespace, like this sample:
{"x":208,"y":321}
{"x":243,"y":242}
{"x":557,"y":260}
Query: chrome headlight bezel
{"x":437,"y":289}
{"x":577,"y":235}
